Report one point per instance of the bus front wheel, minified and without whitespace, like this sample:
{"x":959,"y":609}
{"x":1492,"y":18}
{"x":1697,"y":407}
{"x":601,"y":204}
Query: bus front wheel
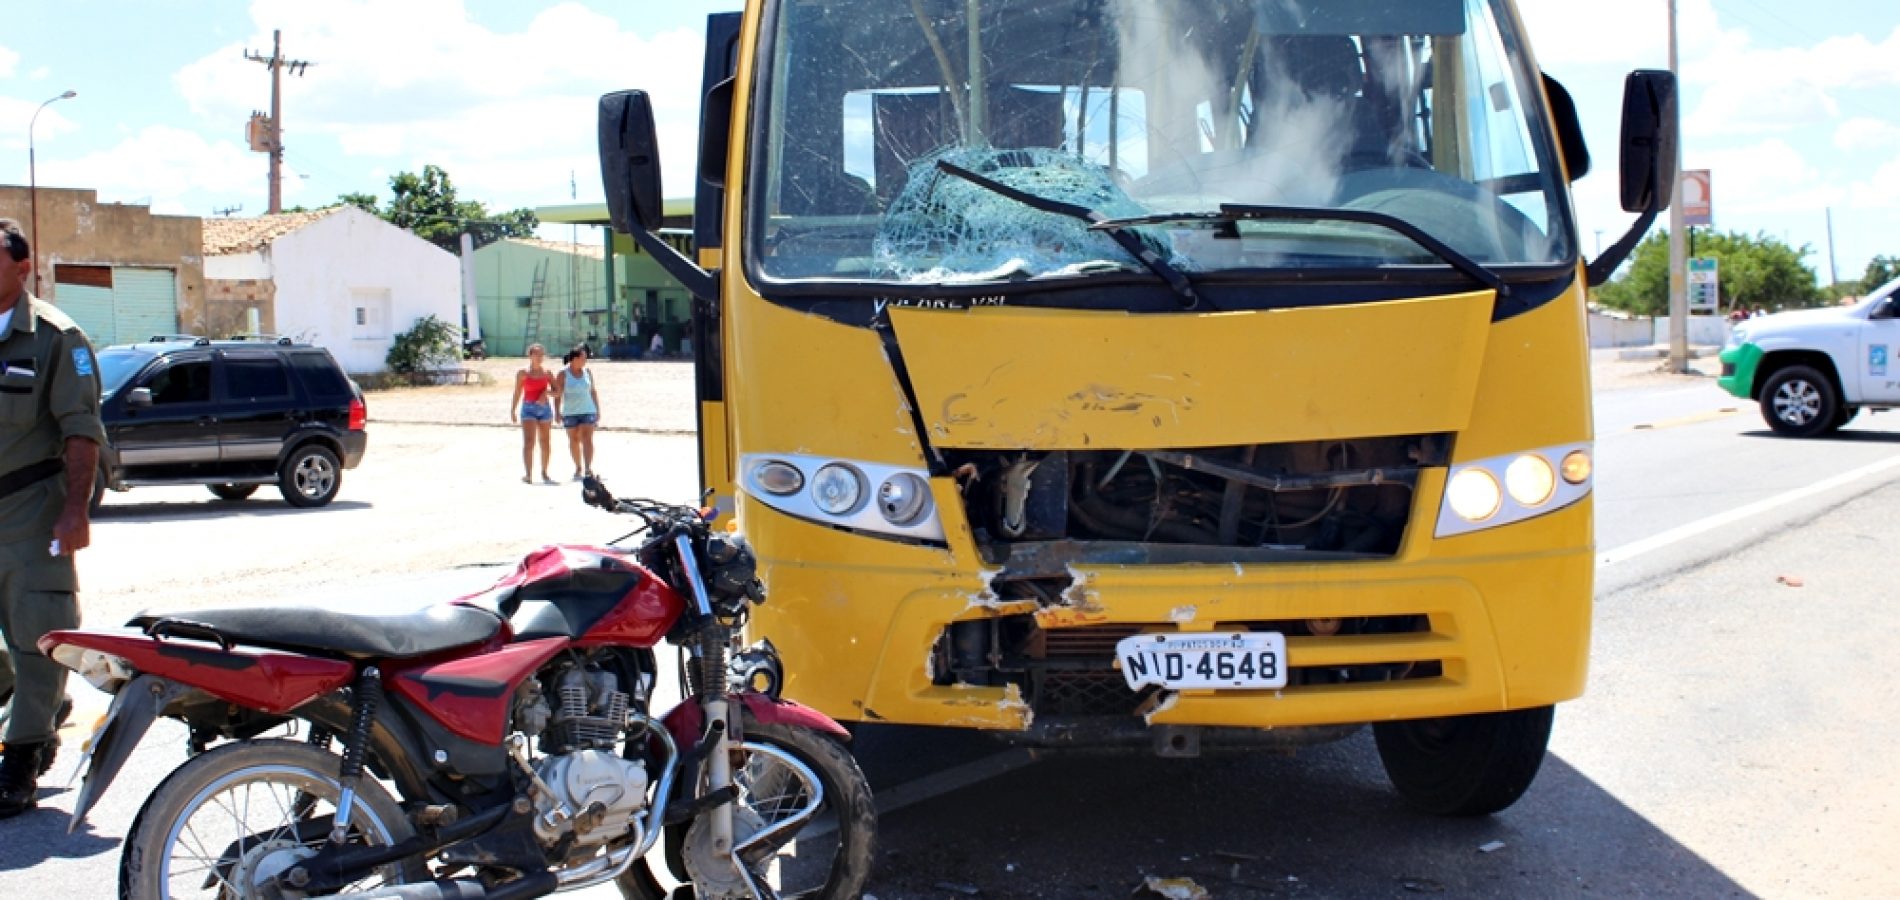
{"x":1465,"y":765}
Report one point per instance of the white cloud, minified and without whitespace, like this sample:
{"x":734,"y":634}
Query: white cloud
{"x":1765,"y":178}
{"x":506,"y":113}
{"x":162,"y":165}
{"x":1622,"y":34}
{"x":40,"y":73}
{"x":1882,"y":191}
{"x":8,"y":59}
{"x":16,"y":116}
{"x":1867,"y":134}
{"x":1751,"y":90}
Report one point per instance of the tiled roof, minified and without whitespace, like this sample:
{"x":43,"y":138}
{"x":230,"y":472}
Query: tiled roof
{"x":591,"y":251}
{"x":226,"y":237}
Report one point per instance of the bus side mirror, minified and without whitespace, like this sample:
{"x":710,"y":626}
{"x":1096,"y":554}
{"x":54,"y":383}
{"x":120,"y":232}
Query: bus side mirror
{"x":1648,"y":163}
{"x":630,"y":161}
{"x":1649,"y":141}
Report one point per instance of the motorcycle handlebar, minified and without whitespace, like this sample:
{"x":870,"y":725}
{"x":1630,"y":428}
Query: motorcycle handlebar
{"x":594,"y":493}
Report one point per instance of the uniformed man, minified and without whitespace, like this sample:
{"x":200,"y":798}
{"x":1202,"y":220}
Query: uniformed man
{"x":50,"y":436}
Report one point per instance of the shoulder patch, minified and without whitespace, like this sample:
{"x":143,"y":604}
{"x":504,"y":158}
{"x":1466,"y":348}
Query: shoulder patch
{"x":82,"y":361}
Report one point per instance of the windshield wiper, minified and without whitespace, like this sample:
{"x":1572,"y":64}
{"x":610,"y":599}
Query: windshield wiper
{"x":1115,"y":228}
{"x":1235,"y":212}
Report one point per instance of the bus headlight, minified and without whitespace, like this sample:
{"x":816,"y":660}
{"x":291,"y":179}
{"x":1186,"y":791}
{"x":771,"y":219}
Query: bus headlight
{"x":1473,"y":494}
{"x":778,"y":477}
{"x":850,"y":494}
{"x":1530,"y":479}
{"x":1502,"y":490}
{"x":837,"y":488}
{"x":902,"y":498}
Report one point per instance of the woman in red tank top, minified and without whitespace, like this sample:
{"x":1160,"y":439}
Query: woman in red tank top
{"x":530,"y":405}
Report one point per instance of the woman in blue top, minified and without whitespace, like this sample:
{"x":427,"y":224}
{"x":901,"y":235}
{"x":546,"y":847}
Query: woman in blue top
{"x":578,"y":405}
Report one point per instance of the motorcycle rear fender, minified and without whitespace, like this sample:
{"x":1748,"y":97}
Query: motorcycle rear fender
{"x":270,"y":681}
{"x":140,"y":702}
{"x":687,"y":721}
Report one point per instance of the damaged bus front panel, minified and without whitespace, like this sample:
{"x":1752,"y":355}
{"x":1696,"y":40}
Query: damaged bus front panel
{"x":1247,"y":329}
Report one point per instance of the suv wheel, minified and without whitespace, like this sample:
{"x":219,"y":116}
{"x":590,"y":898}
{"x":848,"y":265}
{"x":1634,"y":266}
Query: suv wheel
{"x":310,"y":476}
{"x":1800,"y":401}
{"x":233,"y":492}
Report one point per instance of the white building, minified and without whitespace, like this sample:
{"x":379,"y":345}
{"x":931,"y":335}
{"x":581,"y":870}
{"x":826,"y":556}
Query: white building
{"x":338,"y":278}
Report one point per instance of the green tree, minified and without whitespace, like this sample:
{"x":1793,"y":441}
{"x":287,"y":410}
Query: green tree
{"x":425,"y":203}
{"x":1756,"y":271}
{"x":1880,"y":270}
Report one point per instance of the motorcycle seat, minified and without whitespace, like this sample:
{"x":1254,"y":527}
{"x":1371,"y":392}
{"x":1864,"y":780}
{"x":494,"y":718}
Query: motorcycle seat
{"x":368,"y":633}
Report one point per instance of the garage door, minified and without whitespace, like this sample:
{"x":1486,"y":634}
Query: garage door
{"x":118,"y":304}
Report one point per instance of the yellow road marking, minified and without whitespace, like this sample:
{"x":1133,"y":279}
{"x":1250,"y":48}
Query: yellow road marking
{"x":1708,"y":416}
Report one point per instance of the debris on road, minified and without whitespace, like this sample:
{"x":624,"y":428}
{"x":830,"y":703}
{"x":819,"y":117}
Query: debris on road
{"x":1231,"y":856}
{"x":1421,"y":885}
{"x":1791,"y":581}
{"x":967,"y":890}
{"x":1491,"y":847}
{"x":1172,"y":889}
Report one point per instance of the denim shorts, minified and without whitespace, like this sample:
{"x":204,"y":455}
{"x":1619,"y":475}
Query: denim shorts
{"x":582,"y":419}
{"x":537,"y":412}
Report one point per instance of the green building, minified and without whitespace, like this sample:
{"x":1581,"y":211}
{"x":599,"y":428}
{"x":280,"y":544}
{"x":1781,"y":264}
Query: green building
{"x":608,"y":293}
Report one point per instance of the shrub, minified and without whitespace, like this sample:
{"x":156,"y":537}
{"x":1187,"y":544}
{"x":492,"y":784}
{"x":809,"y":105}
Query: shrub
{"x":431,"y":344}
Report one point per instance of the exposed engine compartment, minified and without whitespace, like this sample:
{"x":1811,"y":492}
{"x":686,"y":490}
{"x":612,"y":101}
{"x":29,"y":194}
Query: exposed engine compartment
{"x":576,"y":714}
{"x":1325,"y":498}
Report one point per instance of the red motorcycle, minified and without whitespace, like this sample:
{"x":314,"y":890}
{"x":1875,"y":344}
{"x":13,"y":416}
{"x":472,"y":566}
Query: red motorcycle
{"x":513,"y":726}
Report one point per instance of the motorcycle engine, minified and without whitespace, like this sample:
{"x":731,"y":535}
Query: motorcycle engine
{"x":579,"y":734}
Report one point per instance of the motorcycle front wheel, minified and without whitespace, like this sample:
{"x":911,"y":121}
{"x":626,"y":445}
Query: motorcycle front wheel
{"x":826,"y":856}
{"x":228,"y":820}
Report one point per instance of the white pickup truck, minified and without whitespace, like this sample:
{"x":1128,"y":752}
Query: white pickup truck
{"x":1812,"y":370}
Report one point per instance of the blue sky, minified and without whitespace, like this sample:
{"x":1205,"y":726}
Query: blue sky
{"x":1795,"y":108}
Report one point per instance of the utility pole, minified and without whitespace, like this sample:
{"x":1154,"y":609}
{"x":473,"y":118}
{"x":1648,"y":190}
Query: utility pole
{"x":274,"y":142}
{"x":1678,"y":253}
{"x":1833,"y":273}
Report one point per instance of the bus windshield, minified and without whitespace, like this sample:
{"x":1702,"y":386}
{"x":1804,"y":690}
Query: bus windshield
{"x":1424,"y":110}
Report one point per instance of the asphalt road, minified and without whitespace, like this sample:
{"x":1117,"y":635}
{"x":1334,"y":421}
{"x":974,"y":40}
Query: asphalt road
{"x":1732,"y":742}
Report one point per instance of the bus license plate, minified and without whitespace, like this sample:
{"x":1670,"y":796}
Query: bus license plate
{"x":1248,"y":659}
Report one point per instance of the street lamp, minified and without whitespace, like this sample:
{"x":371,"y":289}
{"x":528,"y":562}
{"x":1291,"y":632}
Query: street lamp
{"x":33,"y":184}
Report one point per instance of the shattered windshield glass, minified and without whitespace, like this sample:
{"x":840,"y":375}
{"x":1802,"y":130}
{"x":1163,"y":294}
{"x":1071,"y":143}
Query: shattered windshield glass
{"x":1426,"y":110}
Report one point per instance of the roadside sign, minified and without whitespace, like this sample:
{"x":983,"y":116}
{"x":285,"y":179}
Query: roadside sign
{"x":1698,"y":205}
{"x":1705,"y":294}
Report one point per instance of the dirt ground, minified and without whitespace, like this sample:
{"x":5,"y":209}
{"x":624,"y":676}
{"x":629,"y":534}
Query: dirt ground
{"x":1609,"y":373}
{"x":439,"y":488}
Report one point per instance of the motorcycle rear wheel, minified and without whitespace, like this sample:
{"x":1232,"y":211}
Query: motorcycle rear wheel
{"x":847,"y":820}
{"x":227,"y":817}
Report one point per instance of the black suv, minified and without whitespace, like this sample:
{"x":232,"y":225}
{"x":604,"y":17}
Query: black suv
{"x":181,"y":409}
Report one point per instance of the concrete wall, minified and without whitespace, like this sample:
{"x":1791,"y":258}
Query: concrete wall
{"x":324,"y":271}
{"x":75,"y":228}
{"x":1704,"y":331}
{"x":1642,"y":331}
{"x":1612,"y":331}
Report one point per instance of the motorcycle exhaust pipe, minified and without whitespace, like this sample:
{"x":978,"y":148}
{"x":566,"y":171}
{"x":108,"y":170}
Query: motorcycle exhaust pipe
{"x":538,"y":884}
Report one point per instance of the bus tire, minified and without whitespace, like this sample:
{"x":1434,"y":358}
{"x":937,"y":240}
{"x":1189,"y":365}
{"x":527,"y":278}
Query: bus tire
{"x":1465,"y":765}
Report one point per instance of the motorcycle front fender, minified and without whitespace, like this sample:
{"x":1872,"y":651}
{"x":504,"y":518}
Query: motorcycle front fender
{"x":687,"y":721}
{"x":134,"y":708}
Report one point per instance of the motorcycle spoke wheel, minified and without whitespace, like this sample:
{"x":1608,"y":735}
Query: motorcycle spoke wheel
{"x":808,"y":809}
{"x":225,"y":823}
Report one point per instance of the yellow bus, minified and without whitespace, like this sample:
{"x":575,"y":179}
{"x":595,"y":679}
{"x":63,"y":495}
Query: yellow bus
{"x":1119,"y":372}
